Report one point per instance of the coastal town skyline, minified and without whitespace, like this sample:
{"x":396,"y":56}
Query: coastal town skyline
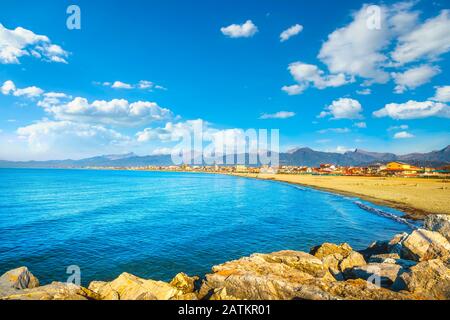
{"x":369,"y":76}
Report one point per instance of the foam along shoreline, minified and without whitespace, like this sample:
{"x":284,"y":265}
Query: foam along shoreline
{"x":412,"y":266}
{"x":416,"y":197}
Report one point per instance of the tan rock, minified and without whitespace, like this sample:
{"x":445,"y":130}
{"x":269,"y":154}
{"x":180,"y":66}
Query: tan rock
{"x":279,"y":276}
{"x":380,"y":274}
{"x":17,"y":279}
{"x":439,"y":223}
{"x":186,"y":296}
{"x":183,"y":282}
{"x":354,"y":259}
{"x":338,"y":258}
{"x":332,"y":262}
{"x":424,"y":245}
{"x":359,"y":289}
{"x":54,"y":291}
{"x":327,"y":249}
{"x":301,"y":261}
{"x":130,"y":287}
{"x":221,"y":294}
{"x":428,"y":278}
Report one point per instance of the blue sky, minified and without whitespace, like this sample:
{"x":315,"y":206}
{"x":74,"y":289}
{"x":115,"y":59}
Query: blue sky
{"x":169,"y":63}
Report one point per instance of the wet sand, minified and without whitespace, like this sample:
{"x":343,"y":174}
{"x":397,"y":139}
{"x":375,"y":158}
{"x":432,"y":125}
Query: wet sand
{"x":416,"y":197}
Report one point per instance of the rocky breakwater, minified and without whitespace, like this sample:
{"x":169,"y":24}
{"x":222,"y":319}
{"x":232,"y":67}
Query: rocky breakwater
{"x":409,"y":266}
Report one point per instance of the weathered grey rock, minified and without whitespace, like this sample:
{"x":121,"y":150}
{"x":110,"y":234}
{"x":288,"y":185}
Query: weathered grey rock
{"x":424,"y":245}
{"x":430,"y":279}
{"x":17,"y":279}
{"x":392,"y":258}
{"x":269,"y":277}
{"x":130,"y":287}
{"x":380,"y":274}
{"x":377,"y":247}
{"x":406,"y":264}
{"x":439,"y":223}
{"x":385,"y":247}
{"x":54,"y":291}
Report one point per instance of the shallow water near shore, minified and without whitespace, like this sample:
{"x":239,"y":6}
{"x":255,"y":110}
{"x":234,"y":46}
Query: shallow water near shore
{"x":156,"y":224}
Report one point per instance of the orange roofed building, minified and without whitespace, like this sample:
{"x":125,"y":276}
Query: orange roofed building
{"x":401,"y":168}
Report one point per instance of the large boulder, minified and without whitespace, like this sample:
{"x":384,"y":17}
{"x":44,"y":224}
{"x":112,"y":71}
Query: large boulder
{"x":424,"y":245}
{"x":54,"y":291}
{"x":327,"y":249}
{"x":385,"y":247}
{"x":298,"y":260}
{"x":439,"y":223}
{"x":392,"y":258}
{"x":183,"y":282}
{"x":221,"y":294}
{"x":380,"y":274}
{"x":354,"y":259}
{"x":395,"y":245}
{"x":130,"y":287}
{"x":17,"y":279}
{"x":430,"y":279}
{"x":359,"y":289}
{"x":338,"y":258}
{"x":283,"y":276}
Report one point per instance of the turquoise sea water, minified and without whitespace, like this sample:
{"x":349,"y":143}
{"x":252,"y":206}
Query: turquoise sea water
{"x":155,"y":225}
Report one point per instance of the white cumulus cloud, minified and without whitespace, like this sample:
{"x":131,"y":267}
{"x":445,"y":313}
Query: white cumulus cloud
{"x":20,"y":42}
{"x":9,"y":87}
{"x":121,"y":85}
{"x":66,"y":137}
{"x":361,"y":125}
{"x":403,"y":135}
{"x":294,"y":89}
{"x":245,"y":30}
{"x":141,"y":85}
{"x":442,"y":94}
{"x":364,"y":92}
{"x":428,"y":40}
{"x":118,"y":112}
{"x":290,"y":32}
{"x":357,"y":50}
{"x":414,"y":110}
{"x":278,"y":115}
{"x":343,"y":108}
{"x":309,"y":74}
{"x":414,"y":77}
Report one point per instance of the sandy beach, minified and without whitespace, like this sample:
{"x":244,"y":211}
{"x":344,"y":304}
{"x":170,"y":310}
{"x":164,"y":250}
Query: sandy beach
{"x":415,"y":196}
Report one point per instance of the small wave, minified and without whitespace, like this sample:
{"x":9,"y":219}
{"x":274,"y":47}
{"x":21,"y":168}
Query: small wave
{"x":385,"y":214}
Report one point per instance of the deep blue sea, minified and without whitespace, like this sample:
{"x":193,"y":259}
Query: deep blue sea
{"x":155,"y":225}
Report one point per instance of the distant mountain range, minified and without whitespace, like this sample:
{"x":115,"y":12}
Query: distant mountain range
{"x":296,"y":157}
{"x":309,"y":157}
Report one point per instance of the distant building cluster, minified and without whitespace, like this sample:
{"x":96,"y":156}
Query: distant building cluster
{"x":396,"y":168}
